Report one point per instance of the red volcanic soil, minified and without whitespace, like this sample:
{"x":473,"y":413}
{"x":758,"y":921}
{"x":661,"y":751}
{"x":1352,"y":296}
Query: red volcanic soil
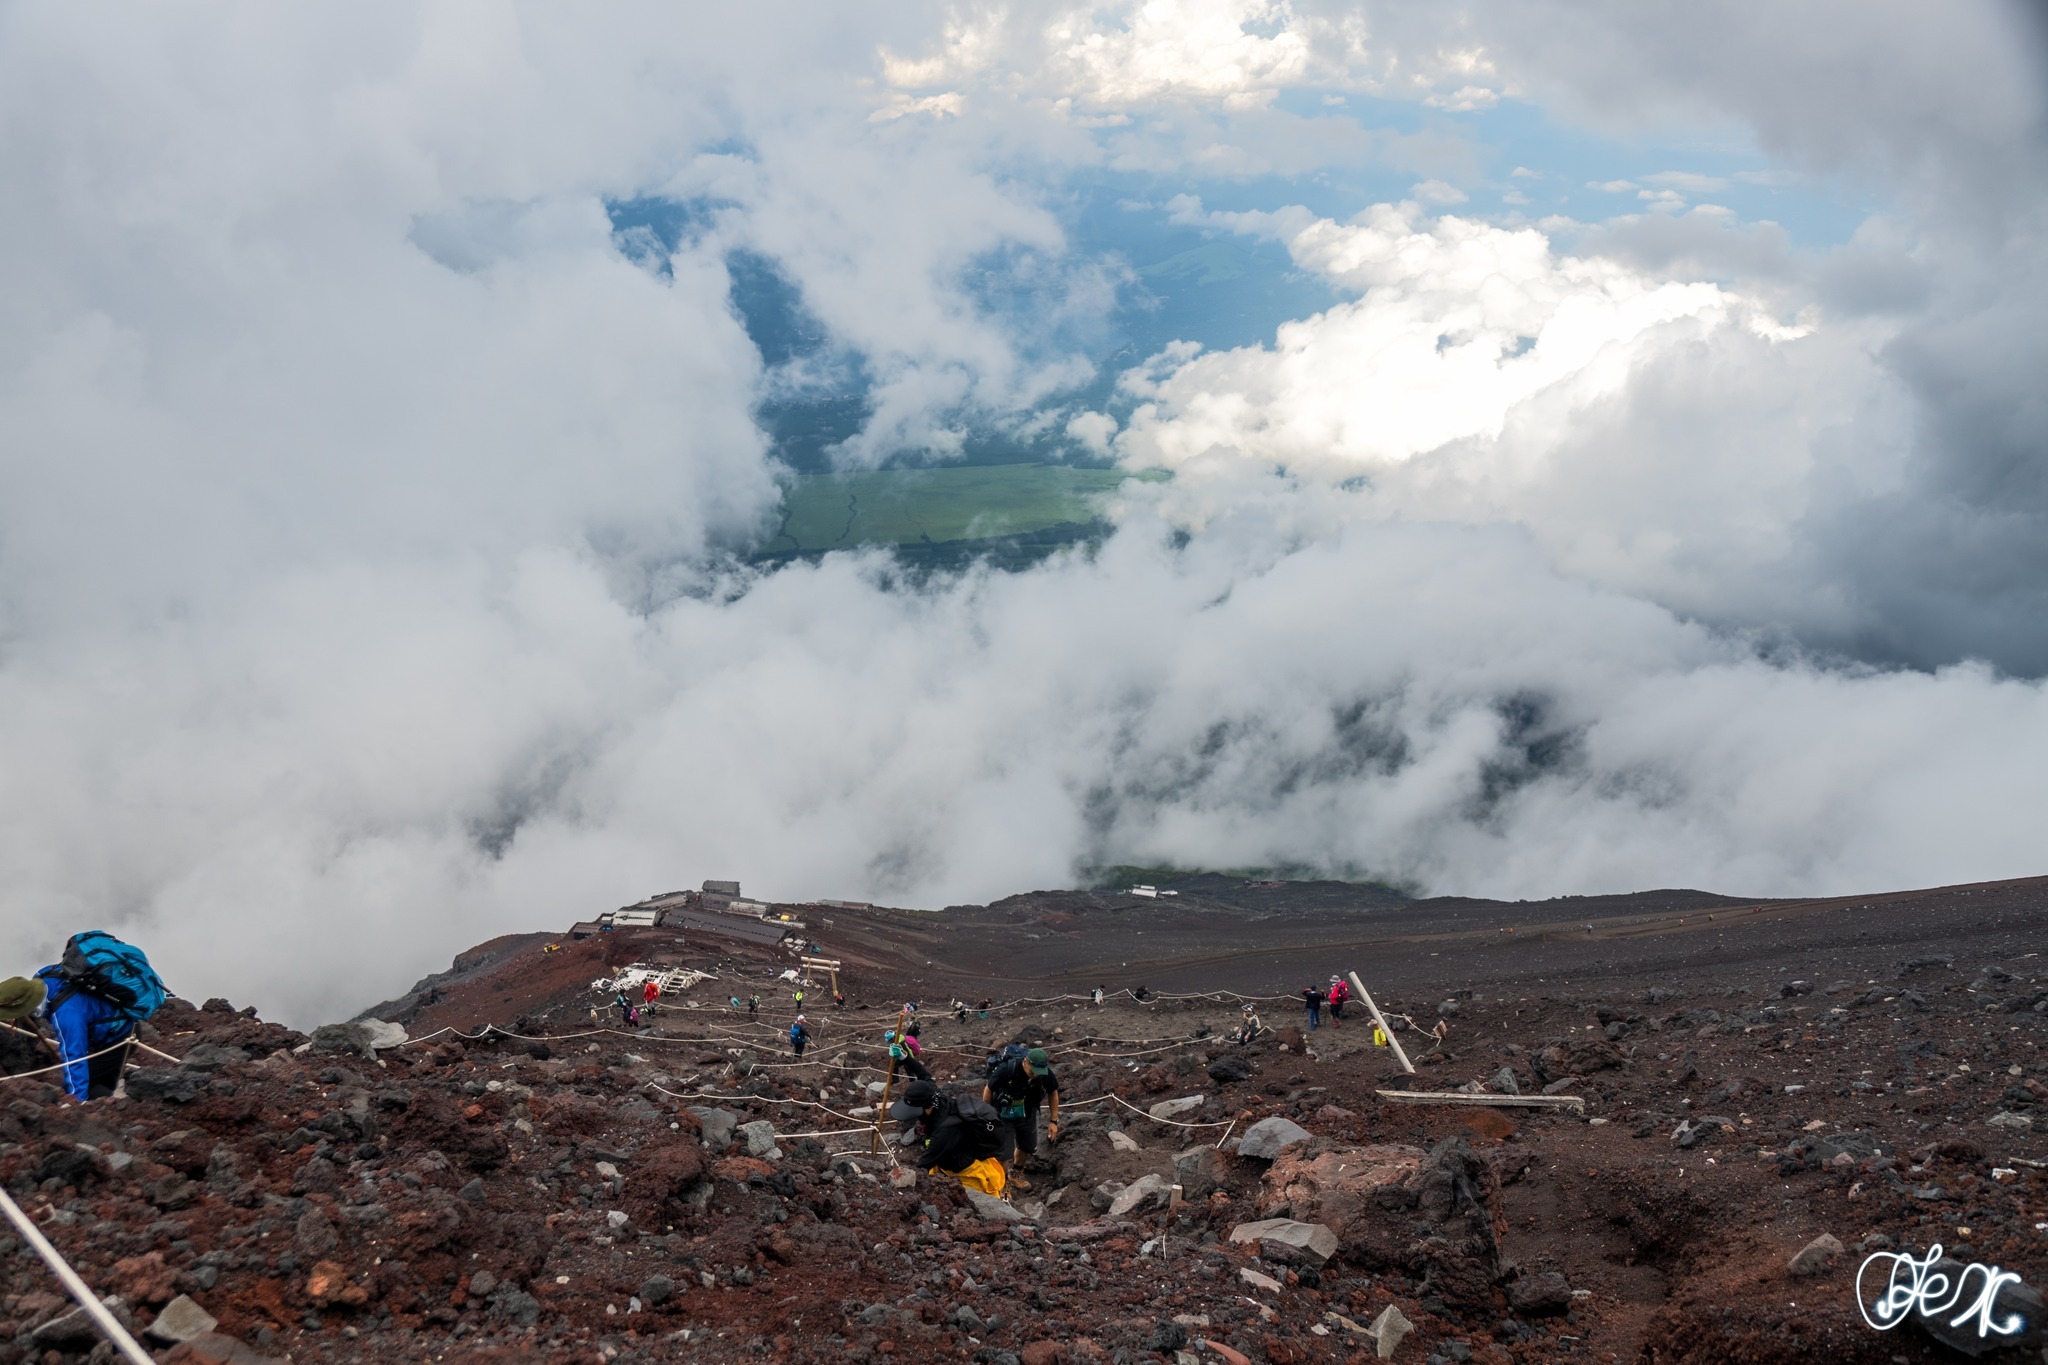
{"x":1753,"y":1075}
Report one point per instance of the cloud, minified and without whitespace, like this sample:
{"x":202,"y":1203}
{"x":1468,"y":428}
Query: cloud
{"x":367,"y":510}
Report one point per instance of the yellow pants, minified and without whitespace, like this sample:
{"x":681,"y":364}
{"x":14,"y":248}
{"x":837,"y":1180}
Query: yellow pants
{"x":985,"y":1175}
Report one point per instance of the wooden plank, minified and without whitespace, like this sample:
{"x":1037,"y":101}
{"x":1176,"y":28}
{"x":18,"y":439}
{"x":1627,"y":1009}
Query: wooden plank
{"x":1385,"y":1027}
{"x":1572,"y":1102}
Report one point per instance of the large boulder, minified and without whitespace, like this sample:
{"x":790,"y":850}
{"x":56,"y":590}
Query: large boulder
{"x":1344,"y":1189}
{"x":1267,"y":1138}
{"x":1433,"y":1215}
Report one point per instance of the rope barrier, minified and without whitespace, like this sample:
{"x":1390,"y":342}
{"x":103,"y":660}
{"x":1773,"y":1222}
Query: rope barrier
{"x":75,"y":1061}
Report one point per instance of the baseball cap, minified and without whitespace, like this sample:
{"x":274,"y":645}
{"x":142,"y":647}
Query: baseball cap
{"x":21,"y":996}
{"x":918,"y":1096}
{"x":1039,"y":1058}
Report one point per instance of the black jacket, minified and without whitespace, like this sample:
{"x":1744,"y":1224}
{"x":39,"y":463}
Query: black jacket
{"x":961,"y":1130}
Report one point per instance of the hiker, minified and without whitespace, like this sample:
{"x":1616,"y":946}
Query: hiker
{"x":753,"y":1007}
{"x":956,"y":1134}
{"x":1338,"y":993}
{"x":799,"y":998}
{"x":838,"y":1000}
{"x":626,"y":1010}
{"x":984,"y":1006}
{"x":908,"y":1056}
{"x":1015,"y":1086}
{"x":1096,"y":996}
{"x":1250,"y":1028}
{"x":960,"y":1010}
{"x":1313,"y":998}
{"x":649,"y":993}
{"x":93,"y":998}
{"x":799,"y":1037}
{"x":1141,"y":995}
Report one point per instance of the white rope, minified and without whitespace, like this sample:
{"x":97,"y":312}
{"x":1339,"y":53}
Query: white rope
{"x":105,"y":1320}
{"x":75,"y":1061}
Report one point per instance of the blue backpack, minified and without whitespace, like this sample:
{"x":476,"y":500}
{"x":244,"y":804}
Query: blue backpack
{"x":116,"y":974}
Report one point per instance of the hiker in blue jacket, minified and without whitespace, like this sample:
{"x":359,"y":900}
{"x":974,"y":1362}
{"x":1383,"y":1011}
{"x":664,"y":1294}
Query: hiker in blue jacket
{"x":93,"y":1000}
{"x":84,"y":1025}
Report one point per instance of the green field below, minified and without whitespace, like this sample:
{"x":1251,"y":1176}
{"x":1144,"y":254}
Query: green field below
{"x":937,"y":506}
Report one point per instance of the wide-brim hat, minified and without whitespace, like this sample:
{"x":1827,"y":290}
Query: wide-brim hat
{"x":21,"y":996}
{"x":917,"y":1097}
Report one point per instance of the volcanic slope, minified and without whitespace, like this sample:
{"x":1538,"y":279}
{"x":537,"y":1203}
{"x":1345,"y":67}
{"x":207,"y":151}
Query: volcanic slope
{"x":1753,"y":1075}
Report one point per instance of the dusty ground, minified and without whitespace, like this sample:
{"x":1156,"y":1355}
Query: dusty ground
{"x":445,"y":1199}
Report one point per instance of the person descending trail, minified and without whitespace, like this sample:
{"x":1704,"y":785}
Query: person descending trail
{"x":649,"y":993}
{"x":1339,"y":993}
{"x":799,"y":1037}
{"x":625,"y":1006}
{"x":958,"y":1136}
{"x":753,"y":1007}
{"x":1312,"y":997}
{"x":93,"y":999}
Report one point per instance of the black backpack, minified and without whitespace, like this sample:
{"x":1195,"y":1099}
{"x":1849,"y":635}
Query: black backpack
{"x":987,"y":1134}
{"x":998,"y":1060}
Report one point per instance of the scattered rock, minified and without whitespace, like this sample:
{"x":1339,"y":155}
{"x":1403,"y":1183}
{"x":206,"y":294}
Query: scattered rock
{"x":993,"y":1209}
{"x":329,"y":1285}
{"x":760,"y":1139}
{"x":175,"y":1085}
{"x":1167,"y":1109}
{"x":1258,"y":1281}
{"x":1816,"y":1256}
{"x":1267,"y":1138}
{"x":72,"y":1328}
{"x":1144,"y":1192}
{"x":1387,"y":1331}
{"x":2018,"y":1123}
{"x":1539,"y":1295}
{"x":1122,"y":1141}
{"x":1504,"y":1082}
{"x":1310,"y":1242}
{"x":182,"y":1320}
{"x":1230,"y":1068}
{"x":718,"y":1126}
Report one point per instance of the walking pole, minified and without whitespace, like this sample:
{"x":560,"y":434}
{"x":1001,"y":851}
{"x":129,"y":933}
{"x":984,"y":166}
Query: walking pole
{"x":1385,"y":1028}
{"x":888,"y":1080}
{"x":107,"y":1322}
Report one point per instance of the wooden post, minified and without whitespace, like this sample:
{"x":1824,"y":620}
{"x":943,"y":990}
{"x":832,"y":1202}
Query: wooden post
{"x":1385,"y":1027}
{"x":889,"y":1080}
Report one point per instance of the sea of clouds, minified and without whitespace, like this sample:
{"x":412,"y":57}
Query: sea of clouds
{"x":367,"y":515}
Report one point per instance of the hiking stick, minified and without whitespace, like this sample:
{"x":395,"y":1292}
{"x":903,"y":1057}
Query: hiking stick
{"x":888,"y":1080}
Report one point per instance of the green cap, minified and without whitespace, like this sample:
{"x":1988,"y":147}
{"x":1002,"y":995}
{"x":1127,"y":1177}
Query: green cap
{"x":1039,"y":1058}
{"x":21,"y":996}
